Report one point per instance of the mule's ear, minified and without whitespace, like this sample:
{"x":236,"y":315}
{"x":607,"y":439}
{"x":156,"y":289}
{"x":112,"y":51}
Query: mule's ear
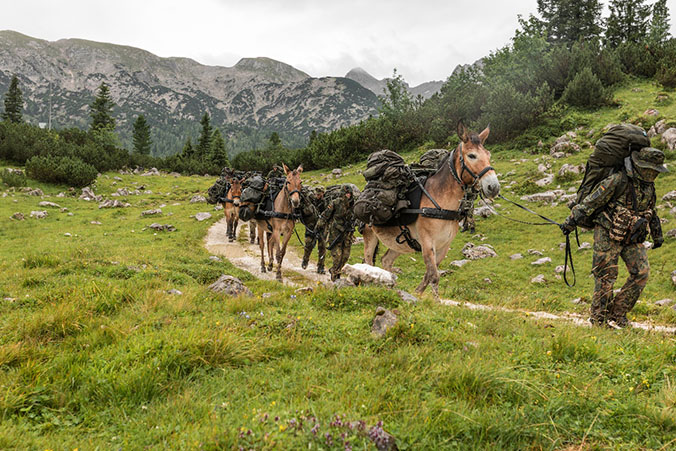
{"x":463,"y":133}
{"x":484,"y":134}
{"x":286,"y":169}
{"x":300,"y":169}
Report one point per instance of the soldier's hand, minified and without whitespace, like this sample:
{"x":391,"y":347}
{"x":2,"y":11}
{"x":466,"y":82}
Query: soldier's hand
{"x":568,"y":225}
{"x":657,"y":243}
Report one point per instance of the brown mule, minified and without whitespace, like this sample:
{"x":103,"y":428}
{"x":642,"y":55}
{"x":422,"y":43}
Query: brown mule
{"x":231,"y":207}
{"x":468,"y":164}
{"x":278,"y":230}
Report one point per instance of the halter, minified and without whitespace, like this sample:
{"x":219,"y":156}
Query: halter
{"x":464,"y":168}
{"x":231,"y":200}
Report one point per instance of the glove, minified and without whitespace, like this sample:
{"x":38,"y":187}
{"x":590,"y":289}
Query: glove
{"x":568,"y":225}
{"x":657,"y":243}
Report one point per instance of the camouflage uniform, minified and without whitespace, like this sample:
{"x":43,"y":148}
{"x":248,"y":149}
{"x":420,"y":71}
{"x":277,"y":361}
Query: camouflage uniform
{"x":615,"y":238}
{"x":467,"y":209}
{"x":276,"y":172}
{"x":312,"y":207}
{"x":339,"y":216}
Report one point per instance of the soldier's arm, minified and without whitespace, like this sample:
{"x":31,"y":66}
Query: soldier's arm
{"x":599,"y":197}
{"x":326,"y":216}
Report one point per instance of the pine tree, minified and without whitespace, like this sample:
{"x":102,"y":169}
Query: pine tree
{"x":659,"y":22}
{"x":204,"y":142}
{"x":313,"y":136}
{"x":218,"y":154}
{"x":188,"y":150}
{"x":569,"y":21}
{"x":628,"y":22}
{"x":13,"y":102}
{"x":142,"y":140}
{"x":102,"y":110}
{"x":274,"y":142}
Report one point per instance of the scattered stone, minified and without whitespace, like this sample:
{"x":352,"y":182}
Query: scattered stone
{"x":342,"y":283}
{"x":564,"y":147}
{"x":460,"y":263}
{"x":174,"y":174}
{"x":18,"y":216}
{"x":304,"y":290}
{"x":156,"y":211}
{"x":488,"y":280}
{"x":547,"y":196}
{"x":230,"y":286}
{"x":110,"y":203}
{"x":669,"y":138}
{"x":407,"y":297}
{"x":647,"y":244}
{"x":152,"y":171}
{"x":660,"y":126}
{"x":483,"y":212}
{"x":197,"y":198}
{"x":559,"y":269}
{"x":39,"y":214}
{"x":214,"y":258}
{"x":516,"y":256}
{"x":542,"y":168}
{"x":32,"y":191}
{"x":67,"y":234}
{"x":545,"y":181}
{"x":671,"y":233}
{"x":541,"y":261}
{"x":558,"y":155}
{"x":652,"y":132}
{"x":671,"y":195}
{"x":664,"y":302}
{"x":585,"y":245}
{"x":95,"y":223}
{"x":651,"y":112}
{"x":571,"y":169}
{"x":361,"y":274}
{"x":577,"y":301}
{"x":383,"y":320}
{"x":535,"y":252}
{"x":218,"y":207}
{"x":337,"y":172}
{"x":540,"y":278}
{"x":473,"y":252}
{"x":44,"y":203}
{"x":202,"y":216}
{"x":162,"y":228}
{"x":673,"y":278}
{"x":88,"y":195}
{"x":119,"y":179}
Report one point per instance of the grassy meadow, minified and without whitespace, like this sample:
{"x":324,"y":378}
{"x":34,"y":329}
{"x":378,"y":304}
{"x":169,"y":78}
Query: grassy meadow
{"x":96,"y":354}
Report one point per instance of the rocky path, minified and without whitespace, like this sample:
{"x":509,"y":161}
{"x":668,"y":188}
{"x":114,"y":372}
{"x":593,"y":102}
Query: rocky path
{"x":246,"y":256}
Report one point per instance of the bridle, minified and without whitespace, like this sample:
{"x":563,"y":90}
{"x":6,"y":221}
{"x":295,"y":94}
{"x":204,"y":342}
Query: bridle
{"x":464,"y":168}
{"x":231,"y":200}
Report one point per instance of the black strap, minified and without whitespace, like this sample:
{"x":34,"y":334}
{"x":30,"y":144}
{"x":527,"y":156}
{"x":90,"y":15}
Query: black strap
{"x":435,"y":213}
{"x":405,"y":237}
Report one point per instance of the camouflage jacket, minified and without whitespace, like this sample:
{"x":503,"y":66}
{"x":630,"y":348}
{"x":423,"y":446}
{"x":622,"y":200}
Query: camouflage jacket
{"x":339,"y":214}
{"x":615,"y":191}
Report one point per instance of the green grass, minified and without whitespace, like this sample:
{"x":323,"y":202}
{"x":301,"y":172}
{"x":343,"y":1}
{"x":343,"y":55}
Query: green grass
{"x":95,"y":354}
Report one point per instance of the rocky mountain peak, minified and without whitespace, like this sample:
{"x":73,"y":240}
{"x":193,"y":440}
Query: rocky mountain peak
{"x":272,"y":69}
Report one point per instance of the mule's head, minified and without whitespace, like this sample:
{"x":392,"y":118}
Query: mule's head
{"x":477,"y":161}
{"x":235,"y":191}
{"x":293,"y":184}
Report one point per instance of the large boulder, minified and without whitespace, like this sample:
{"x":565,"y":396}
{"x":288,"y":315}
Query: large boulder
{"x":571,"y":169}
{"x":88,"y":195}
{"x":545,"y":181}
{"x":202,"y":216}
{"x":152,"y":171}
{"x":671,"y":195}
{"x":669,"y":138}
{"x":361,"y":274}
{"x":383,"y":320}
{"x":661,"y":126}
{"x":38,"y":214}
{"x":473,"y":252}
{"x":230,"y":286}
{"x":565,"y":147}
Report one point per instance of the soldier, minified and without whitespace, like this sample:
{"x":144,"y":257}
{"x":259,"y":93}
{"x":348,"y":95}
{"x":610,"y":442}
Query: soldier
{"x":313,"y":207}
{"x":339,"y":217}
{"x":276,"y":172}
{"x":623,"y":208}
{"x":467,"y":209}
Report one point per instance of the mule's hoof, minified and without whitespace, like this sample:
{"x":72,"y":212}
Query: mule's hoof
{"x":252,"y":241}
{"x":270,"y":267}
{"x":263,"y":269}
{"x":279,"y":277}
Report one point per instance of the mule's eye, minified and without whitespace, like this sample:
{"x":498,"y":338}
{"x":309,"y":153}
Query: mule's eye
{"x":472,"y":156}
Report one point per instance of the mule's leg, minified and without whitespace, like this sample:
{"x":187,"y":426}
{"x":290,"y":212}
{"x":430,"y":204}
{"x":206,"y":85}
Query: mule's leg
{"x":432,"y":273}
{"x":261,"y":244}
{"x":273,"y":239}
{"x":370,"y":246}
{"x":281,"y":252}
{"x":388,"y":259}
{"x":252,"y":232}
{"x":234,"y":227}
{"x":231,"y":235}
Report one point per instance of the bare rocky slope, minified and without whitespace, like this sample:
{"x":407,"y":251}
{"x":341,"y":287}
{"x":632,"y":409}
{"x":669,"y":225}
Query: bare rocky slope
{"x":426,"y":90}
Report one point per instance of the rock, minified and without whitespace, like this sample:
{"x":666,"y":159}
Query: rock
{"x":647,"y":244}
{"x":214,"y":258}
{"x":156,"y":211}
{"x":67,"y":234}
{"x":88,"y":195}
{"x":202,"y":216}
{"x":110,"y":203}
{"x":162,"y":228}
{"x":577,"y":301}
{"x":119,"y":179}
{"x":18,"y":216}
{"x":460,"y":263}
{"x":218,"y":207}
{"x":673,"y":278}
{"x":487,"y":280}
{"x":591,"y":133}
{"x":337,"y":172}
{"x":541,"y":261}
{"x":636,"y":90}
{"x":38,"y":214}
{"x":543,"y":168}
{"x":565,"y":138}
{"x":121,"y":192}
{"x":540,"y":278}
{"x":484,"y":211}
{"x":152,"y":171}
{"x":230,"y":286}
{"x":571,"y":169}
{"x":545,"y":181}
{"x":198,"y":199}
{"x":516,"y":256}
{"x":671,"y":195}
{"x":558,"y":155}
{"x":304,"y":290}
{"x":95,"y":223}
{"x":174,"y":174}
{"x":32,"y":192}
{"x":361,"y":273}
{"x":559,"y":269}
{"x":342,"y":283}
{"x":174,"y":291}
{"x":547,"y":196}
{"x":660,"y":126}
{"x":664,"y":302}
{"x":651,"y":112}
{"x":473,"y":252}
{"x":44,"y":203}
{"x":407,"y":297}
{"x":383,"y":320}
{"x":535,"y":252}
{"x":564,"y":147}
{"x":671,"y":233}
{"x":652,"y":132}
{"x":669,"y":138}
{"x":584,"y":246}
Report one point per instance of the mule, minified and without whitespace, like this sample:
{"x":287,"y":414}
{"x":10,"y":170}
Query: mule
{"x":468,"y":165}
{"x":231,"y":207}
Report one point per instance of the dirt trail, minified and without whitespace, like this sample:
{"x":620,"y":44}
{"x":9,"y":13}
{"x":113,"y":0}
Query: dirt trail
{"x":246,"y":256}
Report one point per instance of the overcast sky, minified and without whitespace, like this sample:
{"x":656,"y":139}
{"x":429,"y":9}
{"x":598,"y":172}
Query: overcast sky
{"x":423,"y":39}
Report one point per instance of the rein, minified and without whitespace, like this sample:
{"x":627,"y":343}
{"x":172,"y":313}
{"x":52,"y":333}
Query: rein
{"x":464,"y":168}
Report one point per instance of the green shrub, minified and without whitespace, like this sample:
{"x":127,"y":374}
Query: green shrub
{"x":666,"y":75}
{"x":64,"y":170}
{"x":13,"y":178}
{"x":585,"y":90}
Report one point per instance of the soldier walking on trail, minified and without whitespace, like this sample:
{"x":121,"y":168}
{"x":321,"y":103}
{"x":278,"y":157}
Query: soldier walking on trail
{"x":276,"y":172}
{"x":467,"y":209}
{"x":312,"y":207}
{"x":623,"y":209}
{"x":339,"y":217}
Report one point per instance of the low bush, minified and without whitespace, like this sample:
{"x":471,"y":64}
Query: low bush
{"x":585,"y":90}
{"x":64,"y":170}
{"x":13,"y":177}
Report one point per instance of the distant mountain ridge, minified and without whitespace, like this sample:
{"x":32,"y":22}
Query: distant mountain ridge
{"x":247,"y":101}
{"x":378,"y":87}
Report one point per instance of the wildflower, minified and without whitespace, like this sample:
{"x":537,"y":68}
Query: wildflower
{"x":549,"y":352}
{"x":315,"y":429}
{"x":282,"y":427}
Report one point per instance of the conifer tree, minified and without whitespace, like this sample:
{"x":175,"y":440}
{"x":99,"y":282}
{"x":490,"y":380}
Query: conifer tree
{"x":659,"y":22}
{"x":102,"y":110}
{"x":218,"y":154}
{"x":188,"y":150}
{"x":13,"y":102}
{"x":142,"y":140}
{"x":568,"y":21}
{"x":628,"y":22}
{"x":204,"y":142}
{"x":274,"y":142}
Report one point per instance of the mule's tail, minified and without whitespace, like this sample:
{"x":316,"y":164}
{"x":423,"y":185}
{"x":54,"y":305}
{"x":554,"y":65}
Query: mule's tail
{"x":375,"y":252}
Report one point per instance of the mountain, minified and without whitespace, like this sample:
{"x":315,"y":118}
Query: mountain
{"x":247,"y":101}
{"x":378,"y":87}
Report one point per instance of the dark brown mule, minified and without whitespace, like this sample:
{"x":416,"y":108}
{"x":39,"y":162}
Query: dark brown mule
{"x":231,"y":207}
{"x":468,"y":164}
{"x":279,"y":227}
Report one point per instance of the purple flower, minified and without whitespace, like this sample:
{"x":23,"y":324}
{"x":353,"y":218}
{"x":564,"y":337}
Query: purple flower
{"x":315,"y":429}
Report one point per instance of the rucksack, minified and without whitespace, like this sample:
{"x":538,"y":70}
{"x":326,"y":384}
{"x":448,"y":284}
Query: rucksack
{"x":387,"y":168}
{"x":254,"y":190}
{"x":218,"y":191}
{"x":608,"y":157}
{"x":375,"y":206}
{"x":430,"y":162}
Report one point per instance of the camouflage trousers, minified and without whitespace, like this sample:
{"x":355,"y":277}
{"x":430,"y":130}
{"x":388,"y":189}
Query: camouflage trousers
{"x":340,"y":253}
{"x":468,"y":222}
{"x":607,"y":252}
{"x":310,"y":240}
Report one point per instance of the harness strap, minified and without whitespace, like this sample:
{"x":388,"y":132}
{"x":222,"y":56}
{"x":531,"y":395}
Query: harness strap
{"x":435,"y":213}
{"x":405,"y":237}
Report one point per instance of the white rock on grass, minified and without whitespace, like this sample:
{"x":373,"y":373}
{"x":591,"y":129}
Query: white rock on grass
{"x":383,"y":320}
{"x":202,"y":216}
{"x":541,"y":261}
{"x":231,"y":286}
{"x":175,"y":292}
{"x":671,"y":233}
{"x":361,"y":274}
{"x":473,"y":252}
{"x":156,"y":211}
{"x":540,"y":278}
{"x":585,"y":245}
{"x":88,"y":195}
{"x":571,"y":169}
{"x":673,"y":278}
{"x":198,"y":199}
{"x":671,"y":195}
{"x":407,"y":297}
{"x":559,"y":269}
{"x":39,"y":214}
{"x":664,"y":302}
{"x":460,"y":263}
{"x":110,"y":203}
{"x":547,"y":196}
{"x":44,"y":203}
{"x":669,"y":138}
{"x":152,"y":171}
{"x":516,"y":256}
{"x":545,"y":181}
{"x":535,"y":252}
